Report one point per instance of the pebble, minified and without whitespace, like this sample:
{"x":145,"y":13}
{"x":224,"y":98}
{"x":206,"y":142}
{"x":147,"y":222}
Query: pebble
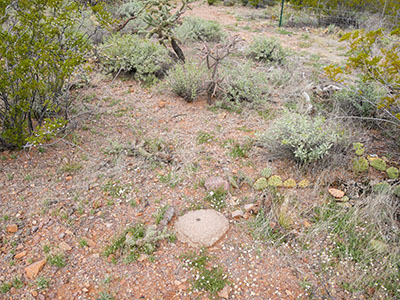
{"x":12,"y":228}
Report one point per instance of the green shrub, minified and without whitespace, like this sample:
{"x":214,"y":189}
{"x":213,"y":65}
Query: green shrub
{"x":145,"y":59}
{"x":211,"y":2}
{"x":301,"y":137}
{"x":130,"y":9}
{"x":360,"y":100}
{"x":196,"y":29}
{"x":244,"y":85}
{"x":267,"y":50}
{"x":39,"y":53}
{"x":186,"y":80}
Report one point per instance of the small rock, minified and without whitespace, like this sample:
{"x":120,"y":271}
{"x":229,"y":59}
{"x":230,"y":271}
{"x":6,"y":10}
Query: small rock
{"x":224,"y":293}
{"x":143,"y":257}
{"x":261,"y":184}
{"x":306,"y":224}
{"x":251,"y":207}
{"x":12,"y":228}
{"x":90,"y":242}
{"x":237,"y":214}
{"x":34,"y":293}
{"x":20,"y":255}
{"x":64,"y":246}
{"x":162,"y":104}
{"x":33,"y":270}
{"x":336,"y":193}
{"x":215,"y":183}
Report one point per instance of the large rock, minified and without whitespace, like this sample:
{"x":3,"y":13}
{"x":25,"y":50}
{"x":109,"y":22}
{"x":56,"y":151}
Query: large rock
{"x":216,"y":183}
{"x":201,"y":228}
{"x":33,"y":270}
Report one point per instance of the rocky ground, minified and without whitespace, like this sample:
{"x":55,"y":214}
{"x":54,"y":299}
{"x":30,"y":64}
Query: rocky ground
{"x":62,"y":205}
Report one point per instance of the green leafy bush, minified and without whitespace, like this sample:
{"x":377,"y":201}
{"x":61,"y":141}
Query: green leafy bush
{"x":360,"y":100}
{"x":243,"y":84}
{"x":301,"y":137}
{"x":39,"y":52}
{"x":267,"y":50}
{"x":376,"y":56}
{"x":196,"y":29}
{"x":186,"y":80}
{"x":145,"y":59}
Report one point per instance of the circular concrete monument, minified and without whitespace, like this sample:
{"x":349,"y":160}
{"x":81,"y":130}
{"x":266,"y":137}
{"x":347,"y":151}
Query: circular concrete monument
{"x":201,"y":228}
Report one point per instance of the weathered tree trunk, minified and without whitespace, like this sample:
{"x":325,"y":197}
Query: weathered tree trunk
{"x":178,"y":51}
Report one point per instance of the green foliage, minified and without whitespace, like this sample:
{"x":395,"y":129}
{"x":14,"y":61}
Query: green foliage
{"x":377,"y":57}
{"x":105,"y":296}
{"x":5,"y":287}
{"x":275,"y":181}
{"x":392,"y":172}
{"x":136,"y":240}
{"x":358,"y":148}
{"x":204,"y":137}
{"x":196,"y":29}
{"x":186,"y":80}
{"x":211,"y":2}
{"x":360,"y":100}
{"x":301,"y":137}
{"x":217,"y":198}
{"x":346,"y":12}
{"x":211,"y":279}
{"x":360,"y":165}
{"x":267,"y":50}
{"x":42,"y":283}
{"x":57,"y":260}
{"x":145,"y":59}
{"x":39,"y":52}
{"x":359,"y":235}
{"x":244,"y":85}
{"x":377,"y":163}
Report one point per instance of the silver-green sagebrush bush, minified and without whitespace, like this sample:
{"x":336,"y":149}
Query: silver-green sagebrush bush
{"x":303,"y":138}
{"x":196,"y":29}
{"x":186,"y":80}
{"x":267,"y":50}
{"x":360,"y":100}
{"x":145,"y":59}
{"x":244,"y":85}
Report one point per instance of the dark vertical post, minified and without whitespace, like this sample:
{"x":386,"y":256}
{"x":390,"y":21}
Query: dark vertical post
{"x":280,"y":19}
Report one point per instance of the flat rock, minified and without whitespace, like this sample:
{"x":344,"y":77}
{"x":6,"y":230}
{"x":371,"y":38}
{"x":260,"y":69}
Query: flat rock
{"x":216,"y":183}
{"x":336,"y":193}
{"x":201,"y":228}
{"x":33,"y":270}
{"x":224,"y":293}
{"x":12,"y":228}
{"x":237,"y":214}
{"x":64,"y":246}
{"x":20,"y":255}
